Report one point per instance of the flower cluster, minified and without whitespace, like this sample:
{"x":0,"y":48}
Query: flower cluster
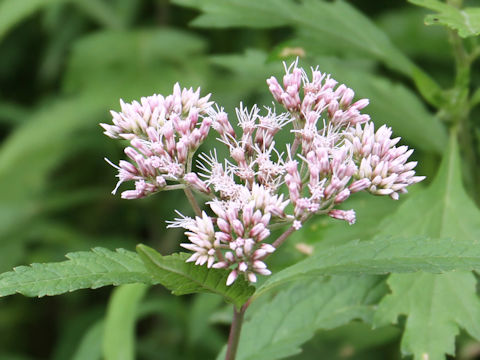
{"x":233,"y":237}
{"x":320,"y":95}
{"x":164,"y":132}
{"x":334,"y":153}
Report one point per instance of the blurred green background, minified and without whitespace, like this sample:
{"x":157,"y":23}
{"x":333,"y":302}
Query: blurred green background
{"x":65,"y":63}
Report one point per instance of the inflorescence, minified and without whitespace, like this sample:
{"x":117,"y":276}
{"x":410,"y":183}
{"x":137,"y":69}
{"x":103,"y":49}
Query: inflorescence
{"x":335,"y":153}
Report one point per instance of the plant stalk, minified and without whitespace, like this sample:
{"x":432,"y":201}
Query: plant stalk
{"x":281,"y":239}
{"x":459,"y":110}
{"x":192,"y":201}
{"x":235,"y":330}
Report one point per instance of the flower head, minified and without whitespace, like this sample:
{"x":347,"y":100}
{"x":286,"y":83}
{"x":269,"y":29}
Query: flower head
{"x":163,"y":133}
{"x":335,"y":152}
{"x":233,"y":238}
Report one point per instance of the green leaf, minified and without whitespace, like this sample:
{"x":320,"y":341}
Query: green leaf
{"x":14,"y":11}
{"x":384,"y":254}
{"x":90,"y":346}
{"x":239,"y":13}
{"x":436,"y":306}
{"x":325,"y":232}
{"x":278,"y":327}
{"x":119,"y":330}
{"x":12,"y":114}
{"x":100,"y":11}
{"x":333,"y":25}
{"x":429,"y":88}
{"x":103,"y":67}
{"x":143,"y":57}
{"x":466,"y":21}
{"x":200,"y":330}
{"x":34,"y":149}
{"x":84,"y":269}
{"x":185,"y":278}
{"x":404,"y":23}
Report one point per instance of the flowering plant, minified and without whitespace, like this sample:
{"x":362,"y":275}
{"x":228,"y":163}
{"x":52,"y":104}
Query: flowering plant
{"x":265,"y":211}
{"x":335,"y":153}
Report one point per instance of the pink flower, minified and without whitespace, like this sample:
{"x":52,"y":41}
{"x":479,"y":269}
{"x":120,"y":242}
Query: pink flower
{"x":335,"y":152}
{"x":163,"y":133}
{"x":384,"y":165}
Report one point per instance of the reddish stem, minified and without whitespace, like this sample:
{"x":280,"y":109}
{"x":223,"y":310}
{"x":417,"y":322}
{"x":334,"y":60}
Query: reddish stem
{"x":235,"y":330}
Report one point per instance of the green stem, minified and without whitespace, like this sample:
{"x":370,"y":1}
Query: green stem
{"x":459,"y":110}
{"x":236,"y":327}
{"x":235,"y":330}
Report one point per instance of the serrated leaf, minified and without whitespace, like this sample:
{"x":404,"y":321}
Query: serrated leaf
{"x":436,"y":306}
{"x":331,"y":24}
{"x":384,"y":254}
{"x":186,"y":278}
{"x":466,"y":21}
{"x":235,"y":13}
{"x":84,"y":269}
{"x":277,"y":328}
{"x":119,"y":331}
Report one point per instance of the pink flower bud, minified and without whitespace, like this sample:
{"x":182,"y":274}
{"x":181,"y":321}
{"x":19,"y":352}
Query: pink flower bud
{"x":232,"y":277}
{"x":242,"y":267}
{"x":131,"y":153}
{"x":237,"y":227}
{"x":195,"y":181}
{"x":131,"y":194}
{"x":347,"y":215}
{"x":160,"y":180}
{"x":220,"y":265}
{"x":182,"y":150}
{"x":153,"y":134}
{"x":342,"y":196}
{"x":223,"y":237}
{"x":251,"y":277}
{"x":125,"y":165}
{"x":347,"y":98}
{"x":360,"y":104}
{"x":248,"y":213}
{"x":359,"y":185}
{"x":268,"y":248}
{"x":257,"y":229}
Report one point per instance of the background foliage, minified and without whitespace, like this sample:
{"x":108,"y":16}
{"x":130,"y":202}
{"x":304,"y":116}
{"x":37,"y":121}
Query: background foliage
{"x":65,"y":63}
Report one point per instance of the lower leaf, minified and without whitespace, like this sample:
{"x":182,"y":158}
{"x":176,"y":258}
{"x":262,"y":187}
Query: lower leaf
{"x":437,"y":306}
{"x":185,"y":278}
{"x":84,"y":269}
